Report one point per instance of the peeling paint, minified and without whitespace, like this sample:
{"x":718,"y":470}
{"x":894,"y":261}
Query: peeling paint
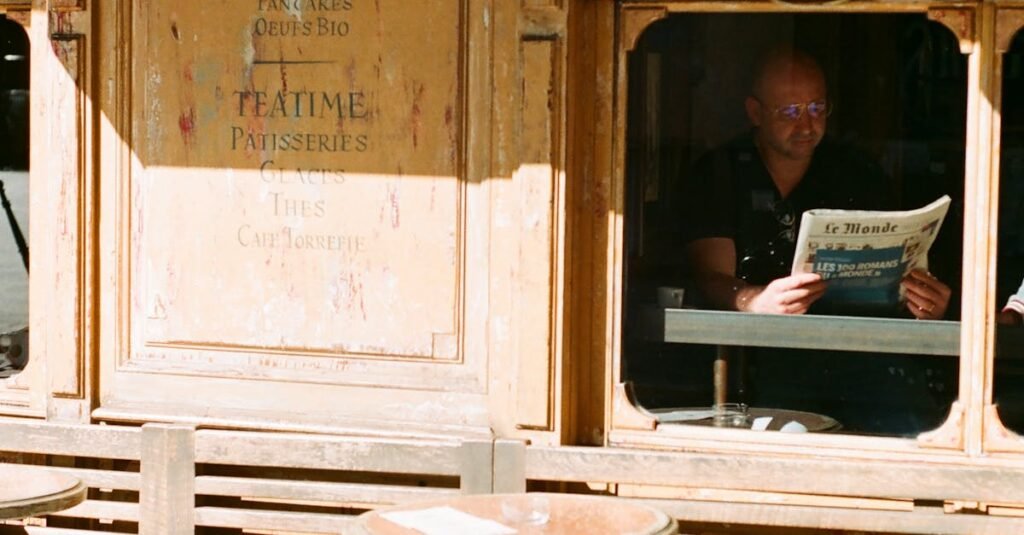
{"x":418,"y":92}
{"x":187,"y":125}
{"x":395,"y":210}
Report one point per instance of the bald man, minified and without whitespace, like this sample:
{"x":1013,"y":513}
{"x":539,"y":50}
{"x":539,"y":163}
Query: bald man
{"x":745,"y":200}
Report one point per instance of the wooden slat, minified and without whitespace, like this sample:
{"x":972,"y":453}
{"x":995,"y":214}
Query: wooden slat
{"x":43,"y":530}
{"x":102,"y":479}
{"x":168,"y":495}
{"x":271,"y":520}
{"x":652,"y":492}
{"x":509,"y":466}
{"x":103,"y":510}
{"x":476,"y":458}
{"x":805,"y":475}
{"x":845,"y":333}
{"x":317,"y":491}
{"x":922,"y":520}
{"x":105,"y":441}
{"x":327,"y":452}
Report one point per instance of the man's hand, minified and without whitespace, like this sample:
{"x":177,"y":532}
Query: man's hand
{"x":789,"y":295}
{"x":927,"y":297}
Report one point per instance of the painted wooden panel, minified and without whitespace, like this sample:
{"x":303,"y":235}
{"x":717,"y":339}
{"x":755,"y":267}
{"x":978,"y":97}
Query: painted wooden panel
{"x":298,"y":213}
{"x":63,"y":328}
{"x":298,"y":185}
{"x":538,"y":180}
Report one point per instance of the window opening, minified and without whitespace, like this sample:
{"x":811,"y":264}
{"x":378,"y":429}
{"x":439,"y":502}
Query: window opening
{"x":14,"y":183}
{"x":1008,"y":380}
{"x":897,"y":104}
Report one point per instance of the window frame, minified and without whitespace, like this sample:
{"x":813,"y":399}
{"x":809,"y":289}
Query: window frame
{"x":973,"y":338}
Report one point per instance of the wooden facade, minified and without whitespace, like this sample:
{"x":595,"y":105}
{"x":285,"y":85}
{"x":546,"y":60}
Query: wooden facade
{"x":292,"y":260}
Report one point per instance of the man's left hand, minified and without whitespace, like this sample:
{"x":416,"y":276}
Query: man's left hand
{"x":927,"y":297}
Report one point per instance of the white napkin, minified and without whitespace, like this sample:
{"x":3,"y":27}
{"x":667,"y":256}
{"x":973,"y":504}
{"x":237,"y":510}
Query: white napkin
{"x":446,"y":521}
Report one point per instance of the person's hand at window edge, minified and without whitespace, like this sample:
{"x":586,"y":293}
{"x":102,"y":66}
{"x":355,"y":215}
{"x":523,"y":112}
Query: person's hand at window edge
{"x":1013,"y":312}
{"x":927,"y":296}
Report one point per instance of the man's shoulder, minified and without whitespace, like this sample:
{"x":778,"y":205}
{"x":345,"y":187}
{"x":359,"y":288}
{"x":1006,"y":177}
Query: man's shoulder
{"x":737,"y":151}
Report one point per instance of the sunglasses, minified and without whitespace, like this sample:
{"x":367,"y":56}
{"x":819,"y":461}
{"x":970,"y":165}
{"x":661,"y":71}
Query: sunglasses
{"x":817,"y":109}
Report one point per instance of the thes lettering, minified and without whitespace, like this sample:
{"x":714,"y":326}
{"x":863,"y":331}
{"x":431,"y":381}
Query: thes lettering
{"x":284,"y":206}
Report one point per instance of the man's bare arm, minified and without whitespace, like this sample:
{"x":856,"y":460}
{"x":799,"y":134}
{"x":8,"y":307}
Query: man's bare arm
{"x":713,"y":261}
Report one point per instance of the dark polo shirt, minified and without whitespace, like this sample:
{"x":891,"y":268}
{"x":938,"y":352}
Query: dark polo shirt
{"x":731,"y":195}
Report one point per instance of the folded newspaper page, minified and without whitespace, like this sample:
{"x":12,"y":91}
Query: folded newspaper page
{"x":864,"y":254}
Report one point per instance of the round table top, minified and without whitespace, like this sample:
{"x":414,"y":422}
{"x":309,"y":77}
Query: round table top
{"x":29,"y":490}
{"x":568,"y":513}
{"x":815,"y":423}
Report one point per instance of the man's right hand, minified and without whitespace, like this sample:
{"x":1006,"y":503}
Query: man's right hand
{"x":789,"y":295}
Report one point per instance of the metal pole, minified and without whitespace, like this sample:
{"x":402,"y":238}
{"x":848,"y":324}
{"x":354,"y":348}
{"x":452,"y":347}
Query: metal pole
{"x":19,"y":238}
{"x":721,"y":372}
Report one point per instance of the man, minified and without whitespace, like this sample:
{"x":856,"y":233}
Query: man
{"x":741,"y":217}
{"x":746,"y":199}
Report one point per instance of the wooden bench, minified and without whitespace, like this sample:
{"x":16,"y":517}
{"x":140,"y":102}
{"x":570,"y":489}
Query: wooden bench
{"x":184,"y":478}
{"x":786,"y":492}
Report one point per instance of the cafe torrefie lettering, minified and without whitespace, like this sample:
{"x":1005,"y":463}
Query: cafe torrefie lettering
{"x":298,"y":121}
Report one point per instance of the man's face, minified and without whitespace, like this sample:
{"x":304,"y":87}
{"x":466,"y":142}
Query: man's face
{"x":781,"y":134}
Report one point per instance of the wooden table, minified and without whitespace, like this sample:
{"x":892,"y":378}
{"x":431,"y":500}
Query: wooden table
{"x":27,"y":490}
{"x":569,"y":513}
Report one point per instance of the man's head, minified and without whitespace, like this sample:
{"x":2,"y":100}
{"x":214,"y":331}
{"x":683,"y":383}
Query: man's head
{"x":788,"y":104}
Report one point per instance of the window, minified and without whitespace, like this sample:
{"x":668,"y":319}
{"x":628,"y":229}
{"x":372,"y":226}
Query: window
{"x":899,"y":105}
{"x":14,"y":69}
{"x":1008,"y":394}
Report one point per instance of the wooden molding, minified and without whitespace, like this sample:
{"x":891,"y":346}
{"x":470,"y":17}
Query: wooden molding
{"x":67,"y":4}
{"x":24,"y":18}
{"x":635,"y":20}
{"x":997,"y":436}
{"x":950,"y":434}
{"x":67,"y":380}
{"x":545,"y":23}
{"x":1008,"y":22}
{"x":960,"y":22}
{"x":626,"y":414}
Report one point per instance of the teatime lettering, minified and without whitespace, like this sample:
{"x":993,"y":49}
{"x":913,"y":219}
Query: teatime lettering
{"x":298,"y":104}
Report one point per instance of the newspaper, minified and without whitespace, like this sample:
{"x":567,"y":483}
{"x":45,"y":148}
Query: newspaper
{"x":865,"y":254}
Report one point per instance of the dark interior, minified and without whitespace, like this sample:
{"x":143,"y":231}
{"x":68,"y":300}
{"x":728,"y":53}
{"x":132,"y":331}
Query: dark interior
{"x":1009,"y":372}
{"x":899,"y":86}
